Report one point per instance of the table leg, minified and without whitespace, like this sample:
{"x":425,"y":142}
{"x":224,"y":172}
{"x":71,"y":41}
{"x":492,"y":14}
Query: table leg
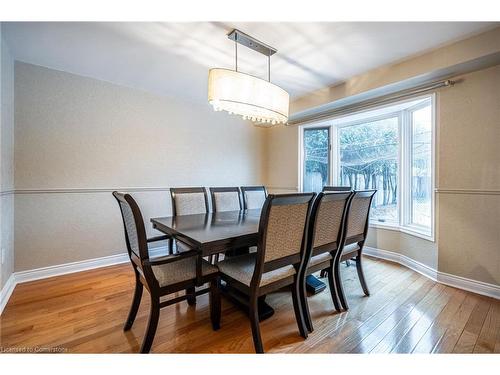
{"x":240,"y":299}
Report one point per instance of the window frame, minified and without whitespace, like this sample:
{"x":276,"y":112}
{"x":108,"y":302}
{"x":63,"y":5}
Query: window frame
{"x":407,"y":208}
{"x":404,"y":159}
{"x":302,"y":165}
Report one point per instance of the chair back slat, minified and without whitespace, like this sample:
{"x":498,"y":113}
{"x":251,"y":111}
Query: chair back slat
{"x":253,"y":196}
{"x":130,"y":228}
{"x":328,"y":223}
{"x":225,"y":199}
{"x":282,"y":232}
{"x":189,"y":201}
{"x":285,"y":230}
{"x":133,"y":223}
{"x":359,"y":212}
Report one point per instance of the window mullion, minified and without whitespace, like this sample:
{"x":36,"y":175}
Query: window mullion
{"x":334,"y":156}
{"x":405,"y":168}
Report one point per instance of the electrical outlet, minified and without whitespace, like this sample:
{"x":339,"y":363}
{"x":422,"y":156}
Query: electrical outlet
{"x":3,"y":255}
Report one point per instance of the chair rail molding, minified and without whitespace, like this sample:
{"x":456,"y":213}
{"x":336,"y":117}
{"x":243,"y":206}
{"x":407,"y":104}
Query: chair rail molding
{"x":468,"y":191}
{"x":479,"y":287}
{"x":7,"y":192}
{"x":88,"y":190}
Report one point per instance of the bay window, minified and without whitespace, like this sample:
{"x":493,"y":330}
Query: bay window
{"x":389,"y":149}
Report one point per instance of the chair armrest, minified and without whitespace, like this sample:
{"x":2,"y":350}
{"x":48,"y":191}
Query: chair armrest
{"x":158,"y":238}
{"x":170,"y":258}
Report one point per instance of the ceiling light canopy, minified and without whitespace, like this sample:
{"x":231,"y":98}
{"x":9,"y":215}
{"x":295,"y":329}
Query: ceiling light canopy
{"x":250,"y":97}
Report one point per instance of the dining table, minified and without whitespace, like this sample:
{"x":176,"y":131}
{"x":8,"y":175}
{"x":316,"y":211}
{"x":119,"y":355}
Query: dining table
{"x":214,"y":233}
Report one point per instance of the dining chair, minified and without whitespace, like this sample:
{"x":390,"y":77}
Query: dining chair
{"x":163,"y":275}
{"x":278,"y":260}
{"x":356,"y":231}
{"x":253,"y":196}
{"x":189,"y":201}
{"x":336,"y":188}
{"x":225,"y":199}
{"x":326,"y":233}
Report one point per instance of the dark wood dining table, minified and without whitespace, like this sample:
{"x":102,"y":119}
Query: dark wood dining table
{"x":213,"y":233}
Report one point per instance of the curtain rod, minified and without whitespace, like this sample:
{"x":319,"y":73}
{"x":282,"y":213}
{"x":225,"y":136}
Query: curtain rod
{"x":369,"y":103}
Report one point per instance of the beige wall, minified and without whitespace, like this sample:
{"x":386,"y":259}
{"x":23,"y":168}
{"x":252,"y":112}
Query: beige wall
{"x":462,"y":51}
{"x":468,"y":158}
{"x":416,"y":248}
{"x":282,"y":151}
{"x":6,"y":161}
{"x":76,"y":132}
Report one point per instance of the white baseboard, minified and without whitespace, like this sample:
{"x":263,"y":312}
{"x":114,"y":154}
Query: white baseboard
{"x":6,"y":292}
{"x":459,"y":282}
{"x":421,"y":268}
{"x":474,"y":286}
{"x":63,"y":269}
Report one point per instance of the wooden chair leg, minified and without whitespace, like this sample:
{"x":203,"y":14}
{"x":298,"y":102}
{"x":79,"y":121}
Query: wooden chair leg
{"x":361,"y":275}
{"x":305,"y":305}
{"x":215,"y":304}
{"x":333,"y":289}
{"x":254,"y":323}
{"x":299,"y":316}
{"x":191,"y":296}
{"x":136,"y":301}
{"x":339,"y":287}
{"x":154,"y":315}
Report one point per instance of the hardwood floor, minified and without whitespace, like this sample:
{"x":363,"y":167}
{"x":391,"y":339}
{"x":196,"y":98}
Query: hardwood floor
{"x":85,"y":312}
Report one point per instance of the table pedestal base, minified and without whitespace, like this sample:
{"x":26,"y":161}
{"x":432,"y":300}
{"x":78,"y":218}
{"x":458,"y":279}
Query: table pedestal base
{"x":241,"y":300}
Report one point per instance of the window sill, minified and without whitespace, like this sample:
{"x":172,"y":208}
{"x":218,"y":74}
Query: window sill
{"x":407,"y":230}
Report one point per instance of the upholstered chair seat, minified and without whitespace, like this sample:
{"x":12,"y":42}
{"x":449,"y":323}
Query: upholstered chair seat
{"x":181,"y":270}
{"x":318,"y":259}
{"x":241,"y":268}
{"x":352,"y":248}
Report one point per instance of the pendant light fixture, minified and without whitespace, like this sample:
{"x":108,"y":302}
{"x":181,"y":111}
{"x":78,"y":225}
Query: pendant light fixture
{"x":239,"y":93}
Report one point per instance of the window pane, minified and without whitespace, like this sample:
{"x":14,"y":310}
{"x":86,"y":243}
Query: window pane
{"x":316,"y":160}
{"x":369,"y":160}
{"x":421,"y":161}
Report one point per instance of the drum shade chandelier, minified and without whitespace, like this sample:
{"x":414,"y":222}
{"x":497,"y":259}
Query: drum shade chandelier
{"x":239,"y":93}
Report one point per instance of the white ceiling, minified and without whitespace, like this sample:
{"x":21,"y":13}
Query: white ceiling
{"x":174,"y":58}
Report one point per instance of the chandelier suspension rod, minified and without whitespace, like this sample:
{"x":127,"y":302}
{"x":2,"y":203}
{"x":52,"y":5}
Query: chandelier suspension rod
{"x":269,"y":68}
{"x":236,"y":52}
{"x":248,"y":41}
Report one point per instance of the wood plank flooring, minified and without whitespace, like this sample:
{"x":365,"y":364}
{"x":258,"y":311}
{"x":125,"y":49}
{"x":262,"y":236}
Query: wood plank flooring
{"x":406,"y":313}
